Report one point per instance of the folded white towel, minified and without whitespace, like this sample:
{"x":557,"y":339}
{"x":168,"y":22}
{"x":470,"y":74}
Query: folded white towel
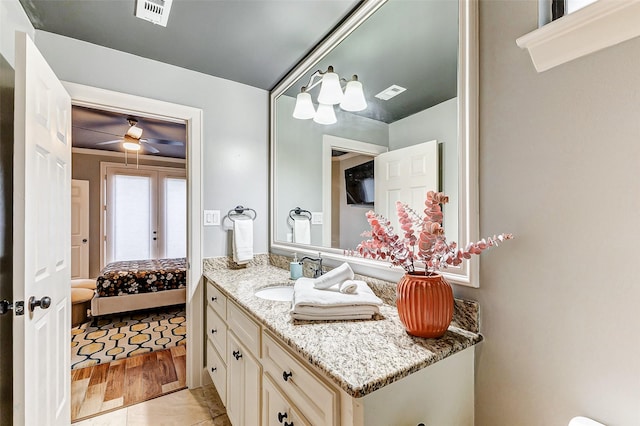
{"x":242,"y":240}
{"x":310,"y":303}
{"x":318,"y":311}
{"x":301,"y":230}
{"x":330,"y":317}
{"x":333,"y":277}
{"x":349,"y":286}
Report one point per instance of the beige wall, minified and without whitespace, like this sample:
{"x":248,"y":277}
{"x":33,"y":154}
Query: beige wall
{"x":87,"y":167}
{"x":560,"y":168}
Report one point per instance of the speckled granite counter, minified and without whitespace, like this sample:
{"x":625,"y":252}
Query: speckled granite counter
{"x":358,"y":356}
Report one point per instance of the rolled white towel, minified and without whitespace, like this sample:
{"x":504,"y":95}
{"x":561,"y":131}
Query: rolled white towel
{"x":349,"y":287}
{"x":333,"y":277}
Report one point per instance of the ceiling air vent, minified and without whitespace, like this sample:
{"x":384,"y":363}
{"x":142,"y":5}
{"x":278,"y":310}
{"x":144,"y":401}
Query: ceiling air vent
{"x":390,"y":92}
{"x":156,"y":11}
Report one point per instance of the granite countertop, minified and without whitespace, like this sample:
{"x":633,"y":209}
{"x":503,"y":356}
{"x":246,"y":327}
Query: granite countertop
{"x":358,"y":356}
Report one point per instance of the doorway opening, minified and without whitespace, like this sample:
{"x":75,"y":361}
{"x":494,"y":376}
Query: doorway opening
{"x":149,"y":370}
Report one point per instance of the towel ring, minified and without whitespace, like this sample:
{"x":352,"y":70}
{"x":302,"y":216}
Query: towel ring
{"x":299,"y":212}
{"x":241,"y":211}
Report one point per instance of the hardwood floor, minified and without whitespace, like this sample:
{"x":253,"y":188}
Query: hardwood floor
{"x":125,"y":382}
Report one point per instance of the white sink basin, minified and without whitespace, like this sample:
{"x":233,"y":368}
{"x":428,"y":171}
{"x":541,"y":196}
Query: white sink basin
{"x":278,"y":294}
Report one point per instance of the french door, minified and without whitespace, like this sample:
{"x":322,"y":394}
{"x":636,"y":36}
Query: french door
{"x":145,"y":213}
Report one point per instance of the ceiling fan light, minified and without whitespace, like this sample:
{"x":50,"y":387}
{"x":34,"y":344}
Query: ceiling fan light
{"x":325,"y":115}
{"x":330,"y":90}
{"x":304,"y":107}
{"x":131,"y":146}
{"x":353,"y":97}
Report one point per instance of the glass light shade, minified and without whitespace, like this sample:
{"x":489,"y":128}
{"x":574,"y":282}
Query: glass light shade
{"x":325,"y":115}
{"x":353,"y":97}
{"x":304,"y":107}
{"x":132,"y":146}
{"x":135,"y":132}
{"x":330,"y":90}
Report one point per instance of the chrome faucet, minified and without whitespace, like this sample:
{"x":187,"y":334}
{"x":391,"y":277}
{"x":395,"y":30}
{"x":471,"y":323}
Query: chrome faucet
{"x":318,"y":269}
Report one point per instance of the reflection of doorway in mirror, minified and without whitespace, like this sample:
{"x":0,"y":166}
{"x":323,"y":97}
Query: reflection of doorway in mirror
{"x":351,"y":190}
{"x":333,"y":235}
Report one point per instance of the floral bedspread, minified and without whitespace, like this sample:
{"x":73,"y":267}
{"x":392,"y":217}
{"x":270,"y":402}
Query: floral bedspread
{"x":142,"y":276}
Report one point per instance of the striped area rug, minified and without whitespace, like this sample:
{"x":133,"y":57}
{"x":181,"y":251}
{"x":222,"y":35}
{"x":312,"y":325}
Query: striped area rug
{"x":125,"y":335}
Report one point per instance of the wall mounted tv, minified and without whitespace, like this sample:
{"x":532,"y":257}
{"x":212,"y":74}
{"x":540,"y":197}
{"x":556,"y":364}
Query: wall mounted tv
{"x":359,"y":184}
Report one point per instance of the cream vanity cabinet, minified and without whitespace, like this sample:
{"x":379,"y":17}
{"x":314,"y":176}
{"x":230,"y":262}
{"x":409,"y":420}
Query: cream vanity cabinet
{"x":263,"y":382}
{"x":233,"y":351}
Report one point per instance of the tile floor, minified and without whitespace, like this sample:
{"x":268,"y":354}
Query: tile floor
{"x":201,"y":407}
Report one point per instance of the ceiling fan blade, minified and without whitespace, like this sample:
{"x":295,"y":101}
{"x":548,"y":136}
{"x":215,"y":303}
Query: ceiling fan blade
{"x":164,"y":142}
{"x":150,"y":149}
{"x":109,"y":142}
{"x":97,"y":131}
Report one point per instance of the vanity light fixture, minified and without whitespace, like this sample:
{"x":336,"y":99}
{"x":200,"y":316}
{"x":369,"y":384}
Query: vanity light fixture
{"x":352,"y":99}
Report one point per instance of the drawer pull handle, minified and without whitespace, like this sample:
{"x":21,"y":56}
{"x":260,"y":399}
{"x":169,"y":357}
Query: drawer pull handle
{"x":213,"y":369}
{"x":286,"y":375}
{"x":213,"y":299}
{"x":237,"y":354}
{"x":282,"y":416}
{"x":214,"y":331}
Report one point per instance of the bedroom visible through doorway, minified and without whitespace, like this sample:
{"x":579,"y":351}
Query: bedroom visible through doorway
{"x":138,"y":218}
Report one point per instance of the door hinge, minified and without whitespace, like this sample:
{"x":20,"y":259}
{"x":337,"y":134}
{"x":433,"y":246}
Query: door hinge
{"x":6,"y":306}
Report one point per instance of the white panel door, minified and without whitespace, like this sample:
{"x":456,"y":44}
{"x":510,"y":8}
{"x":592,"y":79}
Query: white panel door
{"x":42,"y":218}
{"x":405,"y":175}
{"x":79,"y":228}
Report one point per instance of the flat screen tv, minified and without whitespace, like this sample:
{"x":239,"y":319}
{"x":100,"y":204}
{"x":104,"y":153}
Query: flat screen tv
{"x":359,"y":184}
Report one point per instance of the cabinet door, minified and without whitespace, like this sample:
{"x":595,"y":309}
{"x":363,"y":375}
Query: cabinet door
{"x":243,"y":385}
{"x":277,"y":410}
{"x":218,"y":371}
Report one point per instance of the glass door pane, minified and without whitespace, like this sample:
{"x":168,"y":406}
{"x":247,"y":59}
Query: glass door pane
{"x":132,"y":218}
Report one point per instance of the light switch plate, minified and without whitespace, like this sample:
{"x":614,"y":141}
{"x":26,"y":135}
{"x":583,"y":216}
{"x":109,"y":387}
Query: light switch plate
{"x":316,"y":218}
{"x":212,"y":218}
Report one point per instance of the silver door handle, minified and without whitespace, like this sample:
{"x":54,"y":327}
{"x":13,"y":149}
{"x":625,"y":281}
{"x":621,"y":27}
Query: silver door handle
{"x":43,"y":303}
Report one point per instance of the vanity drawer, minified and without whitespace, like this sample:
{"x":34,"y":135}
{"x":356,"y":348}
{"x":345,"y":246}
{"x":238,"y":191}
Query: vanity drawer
{"x":217,"y":331}
{"x":217,"y":300}
{"x":218,"y":371}
{"x":316,"y":401}
{"x":246,"y":329}
{"x":276,"y":408}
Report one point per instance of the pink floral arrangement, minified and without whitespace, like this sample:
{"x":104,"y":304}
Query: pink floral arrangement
{"x":422,"y":238}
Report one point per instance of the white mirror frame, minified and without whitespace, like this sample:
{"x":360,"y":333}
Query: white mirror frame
{"x":468,"y":273}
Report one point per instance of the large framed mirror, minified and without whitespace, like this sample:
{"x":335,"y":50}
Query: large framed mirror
{"x":416,"y":63}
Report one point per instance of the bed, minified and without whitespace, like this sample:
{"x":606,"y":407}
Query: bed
{"x":140,"y":284}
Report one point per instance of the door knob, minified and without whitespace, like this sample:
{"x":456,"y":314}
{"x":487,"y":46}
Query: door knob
{"x":84,"y":241}
{"x":43,"y":303}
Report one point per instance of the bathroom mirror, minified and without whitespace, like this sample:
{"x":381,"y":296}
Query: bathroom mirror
{"x":325,"y":177}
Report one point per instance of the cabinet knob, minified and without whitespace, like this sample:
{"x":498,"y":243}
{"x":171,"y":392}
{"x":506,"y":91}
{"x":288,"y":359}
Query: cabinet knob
{"x":214,"y":331}
{"x":286,"y":375}
{"x":213,"y":299}
{"x":288,"y":424}
{"x":281,"y":417}
{"x":213,"y":369}
{"x":237,"y":354}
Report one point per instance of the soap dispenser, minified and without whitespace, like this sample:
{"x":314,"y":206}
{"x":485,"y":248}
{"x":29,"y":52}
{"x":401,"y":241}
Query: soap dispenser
{"x":295,"y":267}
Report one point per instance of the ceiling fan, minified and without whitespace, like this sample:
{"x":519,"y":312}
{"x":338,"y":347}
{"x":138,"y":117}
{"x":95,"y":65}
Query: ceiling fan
{"x":132,"y":139}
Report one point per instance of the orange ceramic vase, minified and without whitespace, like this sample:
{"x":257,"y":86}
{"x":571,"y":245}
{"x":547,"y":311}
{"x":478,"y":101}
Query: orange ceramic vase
{"x":425,"y":304}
